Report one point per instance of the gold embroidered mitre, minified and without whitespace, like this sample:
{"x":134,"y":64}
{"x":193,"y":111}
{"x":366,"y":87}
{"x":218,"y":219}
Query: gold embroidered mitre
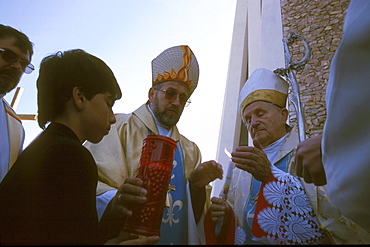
{"x":263,"y":85}
{"x":177,"y":63}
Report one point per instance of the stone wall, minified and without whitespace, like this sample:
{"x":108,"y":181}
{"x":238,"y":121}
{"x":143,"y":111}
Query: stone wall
{"x":320,"y":22}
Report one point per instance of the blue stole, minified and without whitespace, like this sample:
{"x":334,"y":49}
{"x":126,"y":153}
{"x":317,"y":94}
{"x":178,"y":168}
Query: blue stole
{"x":174,"y":220}
{"x":250,"y":206}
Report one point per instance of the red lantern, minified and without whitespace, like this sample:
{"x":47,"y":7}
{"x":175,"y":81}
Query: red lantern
{"x":155,"y":170}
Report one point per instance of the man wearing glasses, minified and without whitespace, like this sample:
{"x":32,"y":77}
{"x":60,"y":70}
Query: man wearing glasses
{"x":175,"y":74}
{"x":15,"y":57}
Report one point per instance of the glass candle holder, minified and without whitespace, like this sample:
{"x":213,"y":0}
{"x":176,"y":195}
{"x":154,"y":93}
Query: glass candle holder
{"x":155,"y":170}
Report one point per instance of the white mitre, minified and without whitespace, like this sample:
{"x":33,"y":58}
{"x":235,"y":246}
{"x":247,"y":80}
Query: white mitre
{"x":263,"y":85}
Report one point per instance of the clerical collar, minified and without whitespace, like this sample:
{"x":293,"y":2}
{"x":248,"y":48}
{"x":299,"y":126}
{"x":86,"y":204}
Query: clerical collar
{"x":273,"y":149}
{"x":162,"y":130}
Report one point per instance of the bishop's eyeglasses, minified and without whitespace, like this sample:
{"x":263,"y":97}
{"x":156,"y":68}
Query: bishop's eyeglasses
{"x":171,"y":94}
{"x":11,"y":57}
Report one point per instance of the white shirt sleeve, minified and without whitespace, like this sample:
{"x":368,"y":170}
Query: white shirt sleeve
{"x":103,"y":200}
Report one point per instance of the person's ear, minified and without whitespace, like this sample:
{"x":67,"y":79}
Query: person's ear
{"x":151,"y":94}
{"x":79,"y":98}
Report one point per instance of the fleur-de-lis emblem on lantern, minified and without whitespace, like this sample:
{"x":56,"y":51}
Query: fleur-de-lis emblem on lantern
{"x":170,"y":210}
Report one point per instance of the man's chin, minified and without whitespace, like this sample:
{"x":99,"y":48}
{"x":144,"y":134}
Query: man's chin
{"x":168,"y":122}
{"x":7,"y":84}
{"x":172,"y":117}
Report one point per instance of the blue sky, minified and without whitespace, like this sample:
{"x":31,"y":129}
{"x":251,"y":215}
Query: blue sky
{"x":127,"y":35}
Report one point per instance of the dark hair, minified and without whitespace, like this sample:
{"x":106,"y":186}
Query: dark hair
{"x":61,"y":72}
{"x":21,"y":40}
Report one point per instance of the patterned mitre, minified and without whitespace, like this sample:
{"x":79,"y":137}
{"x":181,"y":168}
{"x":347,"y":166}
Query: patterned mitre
{"x":263,"y":85}
{"x":177,"y":63}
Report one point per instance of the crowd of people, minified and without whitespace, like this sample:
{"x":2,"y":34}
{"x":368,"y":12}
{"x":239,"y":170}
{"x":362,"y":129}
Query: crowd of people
{"x":76,"y":182}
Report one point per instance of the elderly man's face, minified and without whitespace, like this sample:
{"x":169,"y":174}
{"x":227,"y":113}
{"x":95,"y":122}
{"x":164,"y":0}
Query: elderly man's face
{"x":265,"y":122}
{"x":168,"y":111}
{"x":10,"y":73}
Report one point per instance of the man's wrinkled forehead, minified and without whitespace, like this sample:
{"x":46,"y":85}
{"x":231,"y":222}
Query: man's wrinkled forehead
{"x":259,"y":106}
